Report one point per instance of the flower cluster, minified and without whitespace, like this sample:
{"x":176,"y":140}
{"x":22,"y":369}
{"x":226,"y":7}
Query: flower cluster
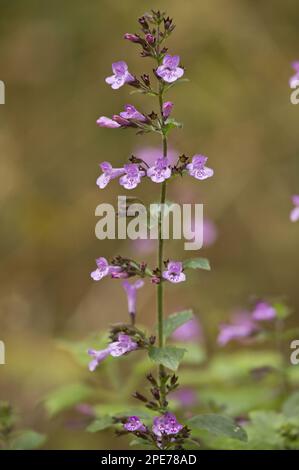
{"x":130,"y":175}
{"x":162,"y":431}
{"x":245,"y":324}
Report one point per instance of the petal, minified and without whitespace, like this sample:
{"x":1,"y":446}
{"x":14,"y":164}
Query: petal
{"x":96,"y":275}
{"x":110,"y":79}
{"x":120,"y":67}
{"x":103,"y":180}
{"x":294,"y":215}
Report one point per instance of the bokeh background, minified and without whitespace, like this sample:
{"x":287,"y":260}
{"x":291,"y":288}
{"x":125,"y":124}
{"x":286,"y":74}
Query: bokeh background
{"x":54,"y":56}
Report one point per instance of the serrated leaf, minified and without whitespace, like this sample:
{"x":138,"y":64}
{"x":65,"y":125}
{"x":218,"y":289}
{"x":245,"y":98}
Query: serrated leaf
{"x":100,"y":424}
{"x":27,"y":440}
{"x":197,"y":263}
{"x":218,"y":425}
{"x":169,"y":356}
{"x":66,"y":397}
{"x":175,"y":320}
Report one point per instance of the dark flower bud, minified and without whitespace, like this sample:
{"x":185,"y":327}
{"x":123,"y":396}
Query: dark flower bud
{"x":144,"y":24}
{"x":133,"y":38}
{"x":167,"y":23}
{"x":156,"y":394}
{"x":152,"y":379}
{"x":145,"y":78}
{"x":140,"y":397}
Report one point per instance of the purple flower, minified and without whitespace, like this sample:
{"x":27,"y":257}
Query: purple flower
{"x":131,"y":291}
{"x":170,"y":71}
{"x":98,"y":357}
{"x":242,"y":327}
{"x":198,"y":169}
{"x":102,"y":270}
{"x":134,"y":423}
{"x":104,"y":121}
{"x":166,"y":424}
{"x":121,"y":75}
{"x":123,"y":345}
{"x":132,"y":113}
{"x":187,"y":397}
{"x":190,"y":331}
{"x":167,"y":108}
{"x":294,"y":80}
{"x":263,"y":311}
{"x":294,"y":215}
{"x":174,"y":272}
{"x":160,"y":171}
{"x":132,"y":176}
{"x":109,"y":173}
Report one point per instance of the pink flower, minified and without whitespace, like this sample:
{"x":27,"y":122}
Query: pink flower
{"x":263,"y":311}
{"x":103,"y":269}
{"x":121,"y":75}
{"x":198,"y":169}
{"x":109,"y":173}
{"x":167,"y":108}
{"x":132,"y":176}
{"x":294,"y":80}
{"x":134,"y":423}
{"x":160,"y":171}
{"x":174,"y":272}
{"x":104,"y":121}
{"x":123,"y":345}
{"x":294,"y":215}
{"x":166,"y":424}
{"x":170,"y":71}
{"x":190,"y":331}
{"x":132,"y":113}
{"x":242,"y":327}
{"x":131,"y":291}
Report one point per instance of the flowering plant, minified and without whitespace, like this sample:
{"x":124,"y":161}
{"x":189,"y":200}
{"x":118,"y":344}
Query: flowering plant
{"x":165,"y":431}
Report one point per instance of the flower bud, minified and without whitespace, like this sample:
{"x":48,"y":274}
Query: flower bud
{"x":132,"y":37}
{"x":150,"y":38}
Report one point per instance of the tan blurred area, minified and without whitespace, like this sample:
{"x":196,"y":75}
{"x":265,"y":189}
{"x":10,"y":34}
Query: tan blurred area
{"x":54,"y":56}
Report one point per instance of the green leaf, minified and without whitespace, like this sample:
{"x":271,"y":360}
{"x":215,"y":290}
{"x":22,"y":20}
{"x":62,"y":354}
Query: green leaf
{"x":218,"y":425}
{"x":282,"y":310}
{"x":291,"y":406}
{"x":27,"y":440}
{"x":175,"y":320}
{"x":197,"y":263}
{"x":169,"y":356}
{"x":66,"y":397}
{"x":100,"y":424}
{"x":171,"y":124}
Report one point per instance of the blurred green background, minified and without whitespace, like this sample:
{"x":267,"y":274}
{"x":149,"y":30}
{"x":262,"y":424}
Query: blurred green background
{"x":54,"y":56}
